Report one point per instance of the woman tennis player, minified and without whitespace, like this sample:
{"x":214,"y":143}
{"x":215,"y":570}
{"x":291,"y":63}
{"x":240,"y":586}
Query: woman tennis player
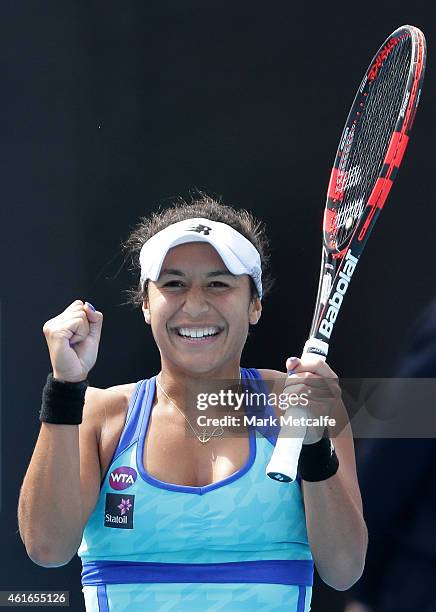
{"x":168,"y":511}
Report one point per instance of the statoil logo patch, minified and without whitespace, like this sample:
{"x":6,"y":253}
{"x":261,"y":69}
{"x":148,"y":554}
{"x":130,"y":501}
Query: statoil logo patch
{"x":122,"y":477}
{"x":118,"y":512}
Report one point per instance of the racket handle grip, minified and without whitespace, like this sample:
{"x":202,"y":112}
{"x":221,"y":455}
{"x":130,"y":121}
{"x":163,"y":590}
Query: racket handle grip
{"x":284,"y":461}
{"x":283,"y":464}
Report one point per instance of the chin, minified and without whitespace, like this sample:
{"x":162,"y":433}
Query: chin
{"x":200,"y":368}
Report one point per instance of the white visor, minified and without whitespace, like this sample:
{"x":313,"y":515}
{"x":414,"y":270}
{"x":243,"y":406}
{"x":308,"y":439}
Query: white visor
{"x":238,"y":254}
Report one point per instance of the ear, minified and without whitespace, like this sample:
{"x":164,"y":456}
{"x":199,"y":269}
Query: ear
{"x":146,"y":312}
{"x":255,"y":311}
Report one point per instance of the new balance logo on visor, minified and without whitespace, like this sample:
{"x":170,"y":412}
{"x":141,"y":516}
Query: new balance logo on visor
{"x":200,"y":229}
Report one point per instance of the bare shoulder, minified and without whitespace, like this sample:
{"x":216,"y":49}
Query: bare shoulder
{"x":275,"y":382}
{"x":104,"y":415}
{"x":273,"y":378}
{"x":104,"y":407}
{"x":102,"y":422}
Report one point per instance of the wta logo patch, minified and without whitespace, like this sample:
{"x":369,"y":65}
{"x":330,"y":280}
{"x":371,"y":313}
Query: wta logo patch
{"x":122,"y":477}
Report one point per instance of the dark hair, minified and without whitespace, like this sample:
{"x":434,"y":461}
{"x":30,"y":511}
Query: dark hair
{"x":201,"y":205}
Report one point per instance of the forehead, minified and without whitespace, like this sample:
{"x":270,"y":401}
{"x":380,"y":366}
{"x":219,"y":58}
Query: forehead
{"x":198,"y":256}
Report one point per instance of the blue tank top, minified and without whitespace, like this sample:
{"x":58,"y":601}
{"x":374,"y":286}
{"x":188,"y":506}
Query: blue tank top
{"x":236,"y":545}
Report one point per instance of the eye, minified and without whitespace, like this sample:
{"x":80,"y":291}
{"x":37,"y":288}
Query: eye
{"x":218,"y":284}
{"x":173,"y":283}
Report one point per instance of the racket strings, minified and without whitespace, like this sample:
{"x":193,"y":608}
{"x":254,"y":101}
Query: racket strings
{"x":367,"y":147}
{"x":389,"y":95}
{"x":378,"y":120}
{"x":371,"y":135}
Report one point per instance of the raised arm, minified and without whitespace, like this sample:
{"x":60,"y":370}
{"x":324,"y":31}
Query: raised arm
{"x":62,"y":482}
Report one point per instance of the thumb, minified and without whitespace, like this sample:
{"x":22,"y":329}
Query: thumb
{"x":291,"y":364}
{"x":95,"y":320}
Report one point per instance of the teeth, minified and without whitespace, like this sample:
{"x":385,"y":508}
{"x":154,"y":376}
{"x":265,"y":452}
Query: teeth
{"x":197,"y":333}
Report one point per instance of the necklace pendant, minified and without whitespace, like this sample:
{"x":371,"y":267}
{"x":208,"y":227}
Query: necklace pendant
{"x":204,"y":436}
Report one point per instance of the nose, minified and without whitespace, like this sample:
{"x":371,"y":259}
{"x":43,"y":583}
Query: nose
{"x":195,"y":303}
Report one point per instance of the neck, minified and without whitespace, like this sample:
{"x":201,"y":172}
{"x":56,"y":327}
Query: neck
{"x":184,"y":388}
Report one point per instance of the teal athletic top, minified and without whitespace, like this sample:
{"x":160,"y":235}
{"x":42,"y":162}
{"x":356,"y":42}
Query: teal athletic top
{"x":236,"y":545}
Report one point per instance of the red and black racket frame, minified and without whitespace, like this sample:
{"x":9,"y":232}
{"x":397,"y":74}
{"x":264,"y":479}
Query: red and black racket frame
{"x":339,"y":261}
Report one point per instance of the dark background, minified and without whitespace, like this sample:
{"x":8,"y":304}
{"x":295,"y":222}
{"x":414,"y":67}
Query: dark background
{"x":110,"y":109}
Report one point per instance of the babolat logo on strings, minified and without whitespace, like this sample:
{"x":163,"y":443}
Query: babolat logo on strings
{"x":118,"y":511}
{"x":335,"y":301}
{"x":200,"y":229}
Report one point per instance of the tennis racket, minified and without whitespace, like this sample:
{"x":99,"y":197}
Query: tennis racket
{"x":370,"y":152}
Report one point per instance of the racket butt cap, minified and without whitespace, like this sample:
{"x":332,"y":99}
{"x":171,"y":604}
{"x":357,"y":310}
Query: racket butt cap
{"x":279,"y":477}
{"x":281,"y":469}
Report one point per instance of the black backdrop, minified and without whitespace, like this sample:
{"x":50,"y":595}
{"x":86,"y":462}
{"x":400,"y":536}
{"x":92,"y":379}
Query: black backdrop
{"x":110,"y":109}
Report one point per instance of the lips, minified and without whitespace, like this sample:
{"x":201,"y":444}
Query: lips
{"x":198,"y":334}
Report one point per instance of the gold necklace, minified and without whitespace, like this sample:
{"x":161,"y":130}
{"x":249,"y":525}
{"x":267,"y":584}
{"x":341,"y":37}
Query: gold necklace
{"x":205,"y":435}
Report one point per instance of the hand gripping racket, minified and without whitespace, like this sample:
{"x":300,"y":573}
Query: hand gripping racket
{"x":370,"y":152}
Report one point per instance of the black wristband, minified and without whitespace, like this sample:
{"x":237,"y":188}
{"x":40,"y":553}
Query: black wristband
{"x":318,"y":461}
{"x":62,"y":402}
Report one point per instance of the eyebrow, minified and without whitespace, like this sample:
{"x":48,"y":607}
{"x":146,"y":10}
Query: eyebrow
{"x":212,"y":274}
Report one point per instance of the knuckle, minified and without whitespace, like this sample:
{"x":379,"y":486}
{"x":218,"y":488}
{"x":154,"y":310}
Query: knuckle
{"x":47,"y":328}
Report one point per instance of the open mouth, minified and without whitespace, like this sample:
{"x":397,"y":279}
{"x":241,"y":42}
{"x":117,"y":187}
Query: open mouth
{"x":198,"y":334}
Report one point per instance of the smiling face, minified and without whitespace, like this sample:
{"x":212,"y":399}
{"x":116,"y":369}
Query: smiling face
{"x":199,"y":312}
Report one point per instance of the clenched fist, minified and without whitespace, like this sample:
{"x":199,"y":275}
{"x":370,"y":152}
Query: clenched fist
{"x":73,"y":338}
